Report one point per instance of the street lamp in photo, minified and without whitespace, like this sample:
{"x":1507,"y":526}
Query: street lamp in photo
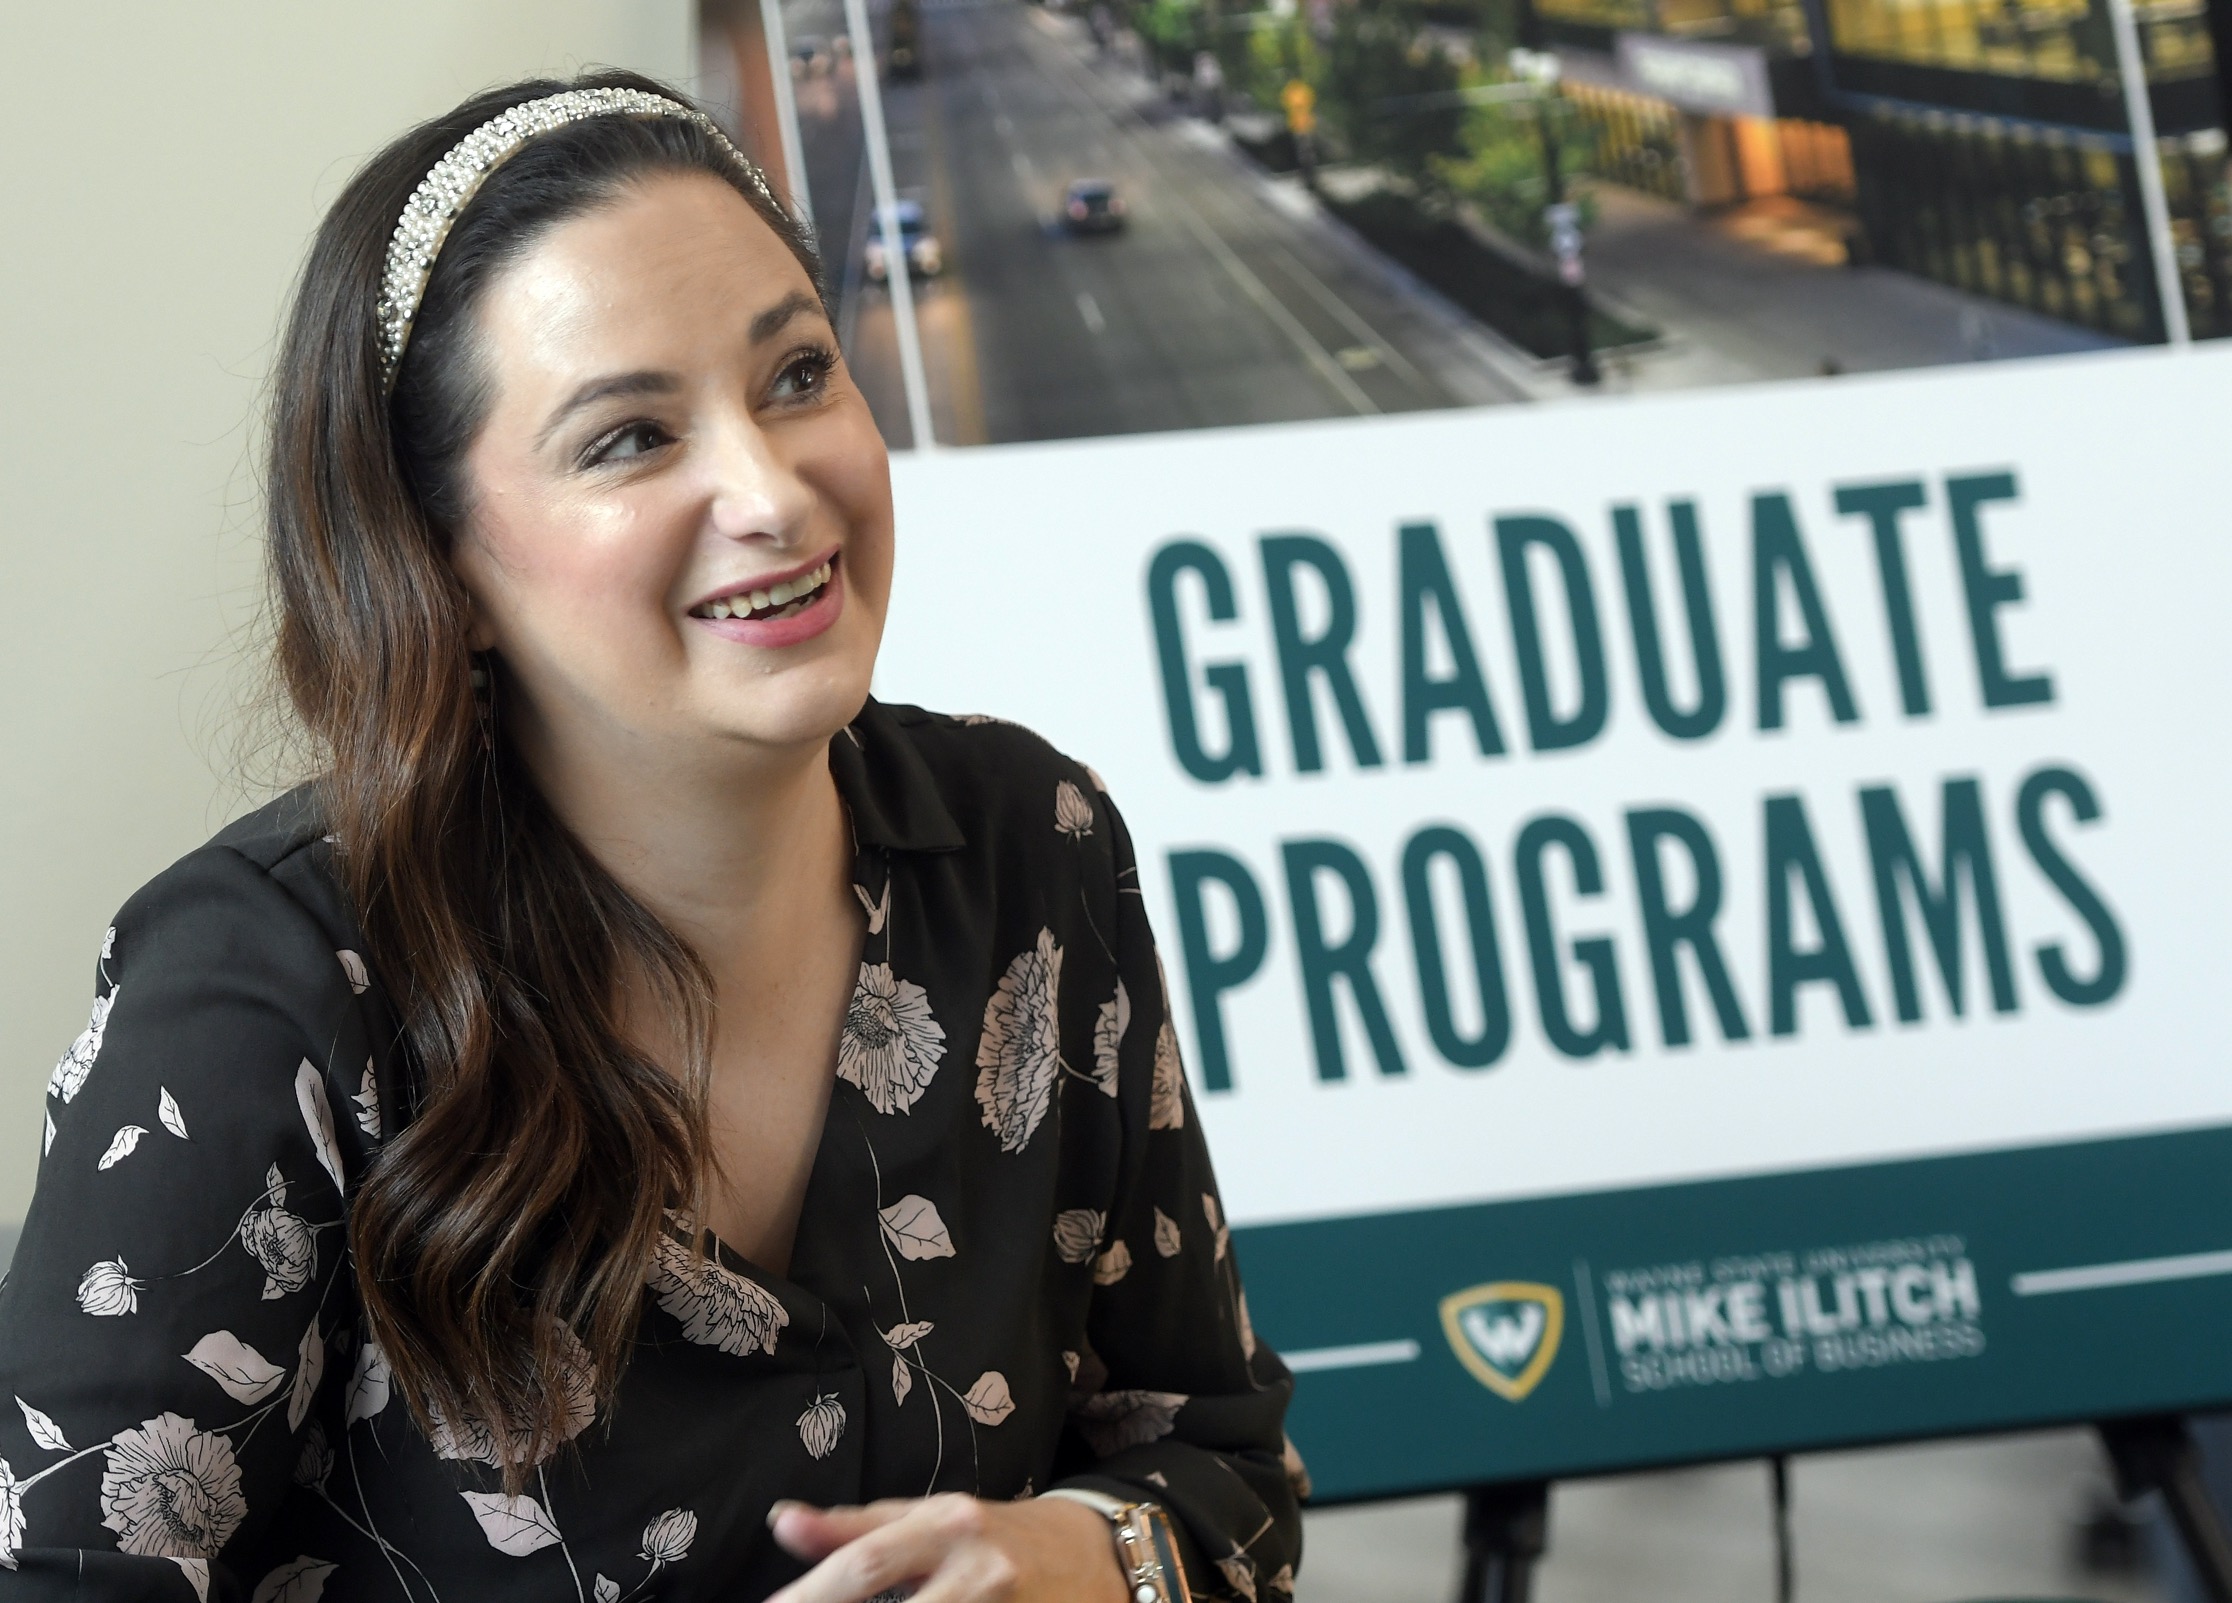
{"x":1561,"y":217}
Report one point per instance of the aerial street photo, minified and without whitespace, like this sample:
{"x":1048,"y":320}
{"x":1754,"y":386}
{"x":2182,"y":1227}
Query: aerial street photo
{"x":1120,"y":216}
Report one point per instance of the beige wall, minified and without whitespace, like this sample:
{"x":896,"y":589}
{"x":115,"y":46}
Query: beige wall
{"x":161,"y":168}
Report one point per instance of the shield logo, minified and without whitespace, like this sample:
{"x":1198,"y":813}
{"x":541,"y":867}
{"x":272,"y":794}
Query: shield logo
{"x":1506,"y":1333}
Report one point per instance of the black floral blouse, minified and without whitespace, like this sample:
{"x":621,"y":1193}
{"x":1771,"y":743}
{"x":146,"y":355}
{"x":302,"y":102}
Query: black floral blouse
{"x":1012,"y":1271}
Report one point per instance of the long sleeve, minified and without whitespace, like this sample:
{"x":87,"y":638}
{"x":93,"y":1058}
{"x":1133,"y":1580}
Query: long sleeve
{"x":1178,"y":1402}
{"x":180,"y":1301}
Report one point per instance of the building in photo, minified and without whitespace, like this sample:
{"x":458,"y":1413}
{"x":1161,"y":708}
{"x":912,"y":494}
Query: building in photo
{"x":1980,"y":143}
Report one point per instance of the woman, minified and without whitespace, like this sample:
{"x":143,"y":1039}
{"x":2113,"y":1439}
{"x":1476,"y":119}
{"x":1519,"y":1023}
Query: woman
{"x":648,"y":1121}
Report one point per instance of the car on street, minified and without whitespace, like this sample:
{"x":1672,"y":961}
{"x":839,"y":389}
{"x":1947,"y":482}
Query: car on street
{"x":923,"y":256}
{"x":1092,"y":206}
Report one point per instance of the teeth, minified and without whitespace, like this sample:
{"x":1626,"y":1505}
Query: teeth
{"x":784,"y":594}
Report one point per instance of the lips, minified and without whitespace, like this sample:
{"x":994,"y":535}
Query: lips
{"x":780,"y":612}
{"x":765,"y":603}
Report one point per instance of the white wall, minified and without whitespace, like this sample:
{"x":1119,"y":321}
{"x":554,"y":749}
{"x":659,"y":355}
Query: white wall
{"x":161,"y":168}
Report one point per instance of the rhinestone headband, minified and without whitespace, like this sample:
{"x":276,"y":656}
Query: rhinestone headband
{"x":446,"y":190}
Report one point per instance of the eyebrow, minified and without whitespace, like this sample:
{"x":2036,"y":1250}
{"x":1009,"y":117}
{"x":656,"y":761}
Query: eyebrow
{"x":604,"y":389}
{"x":772,"y":321}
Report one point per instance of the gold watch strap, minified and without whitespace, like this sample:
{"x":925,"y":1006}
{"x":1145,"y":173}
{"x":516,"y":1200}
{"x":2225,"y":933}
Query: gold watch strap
{"x":1146,"y":1545}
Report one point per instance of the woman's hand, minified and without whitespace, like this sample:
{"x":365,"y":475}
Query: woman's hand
{"x":951,"y":1549}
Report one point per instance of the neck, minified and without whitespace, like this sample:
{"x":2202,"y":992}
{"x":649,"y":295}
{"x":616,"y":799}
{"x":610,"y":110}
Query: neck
{"x":725,"y":843}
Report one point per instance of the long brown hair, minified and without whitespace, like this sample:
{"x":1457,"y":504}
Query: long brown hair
{"x":514,"y":1215}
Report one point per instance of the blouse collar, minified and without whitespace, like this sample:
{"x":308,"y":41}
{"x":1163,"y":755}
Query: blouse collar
{"x":893,"y":796}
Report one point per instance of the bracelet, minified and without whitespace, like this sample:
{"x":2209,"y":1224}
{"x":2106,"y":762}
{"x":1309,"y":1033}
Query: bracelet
{"x":1146,"y":1546}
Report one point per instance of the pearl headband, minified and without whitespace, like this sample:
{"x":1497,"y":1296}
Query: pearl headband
{"x":447,"y":189}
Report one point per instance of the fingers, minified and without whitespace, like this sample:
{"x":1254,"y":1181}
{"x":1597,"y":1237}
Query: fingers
{"x":812,"y":1534}
{"x":909,"y":1542}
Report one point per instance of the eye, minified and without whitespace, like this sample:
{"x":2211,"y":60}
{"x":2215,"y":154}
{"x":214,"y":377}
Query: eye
{"x":629,"y":440}
{"x":804,"y":375}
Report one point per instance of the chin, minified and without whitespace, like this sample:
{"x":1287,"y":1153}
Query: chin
{"x":793,"y":715}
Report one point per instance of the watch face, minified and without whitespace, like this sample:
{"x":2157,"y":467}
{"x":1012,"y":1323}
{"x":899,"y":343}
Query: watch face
{"x":1166,"y":1554}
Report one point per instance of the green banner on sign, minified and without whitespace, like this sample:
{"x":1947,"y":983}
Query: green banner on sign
{"x":1569,"y":1336}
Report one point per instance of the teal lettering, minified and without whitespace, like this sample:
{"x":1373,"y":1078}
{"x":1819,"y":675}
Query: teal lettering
{"x":1425,"y":578}
{"x":1988,"y":589}
{"x":1666,"y":931}
{"x":1325,"y":656}
{"x":1546,"y":730}
{"x":1881,"y":505}
{"x":1790,"y":849}
{"x":1595,"y":954}
{"x":1351,"y":961}
{"x":1210,"y":975}
{"x":1779,"y":555}
{"x":1227,"y":680}
{"x":1966,"y":849}
{"x":2030,"y":817}
{"x":1465,"y":1052}
{"x":1697,"y":604}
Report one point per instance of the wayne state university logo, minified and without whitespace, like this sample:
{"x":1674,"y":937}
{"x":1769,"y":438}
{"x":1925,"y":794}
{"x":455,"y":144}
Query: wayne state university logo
{"x":1506,"y":1333}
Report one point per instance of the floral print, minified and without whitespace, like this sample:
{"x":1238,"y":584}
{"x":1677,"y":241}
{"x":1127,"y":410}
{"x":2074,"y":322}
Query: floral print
{"x":515,"y":1524}
{"x":367,"y":1100}
{"x":989,"y":1401}
{"x":11,"y":1516}
{"x":171,"y":1491}
{"x":108,"y":1290}
{"x":1077,"y":1233}
{"x":1020,"y":1051}
{"x":667,"y":1539}
{"x":244,"y":1374}
{"x":1168,"y":1241}
{"x":1167,"y":1111}
{"x":315,"y":1462}
{"x":891,"y":1045}
{"x":360,"y":979}
{"x":915,"y":1229}
{"x":1112,"y":1265}
{"x":1073,"y":814}
{"x":821,"y":1425}
{"x":121,"y":1146}
{"x":1109,"y":1026}
{"x":717,"y":1306}
{"x":69,"y":1074}
{"x":971,"y":1304}
{"x":284,"y":1244}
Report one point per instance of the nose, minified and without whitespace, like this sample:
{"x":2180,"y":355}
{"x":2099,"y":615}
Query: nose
{"x":757,"y":495}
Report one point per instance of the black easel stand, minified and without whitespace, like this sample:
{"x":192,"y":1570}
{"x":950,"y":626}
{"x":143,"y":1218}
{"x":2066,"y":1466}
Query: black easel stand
{"x":2157,"y":1455}
{"x":1506,"y":1528}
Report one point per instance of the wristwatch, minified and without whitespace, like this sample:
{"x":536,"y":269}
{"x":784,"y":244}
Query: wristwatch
{"x":1146,"y":1548}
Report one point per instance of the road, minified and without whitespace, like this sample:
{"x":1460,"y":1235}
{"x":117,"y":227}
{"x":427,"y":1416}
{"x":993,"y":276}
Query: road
{"x":1226,"y":300}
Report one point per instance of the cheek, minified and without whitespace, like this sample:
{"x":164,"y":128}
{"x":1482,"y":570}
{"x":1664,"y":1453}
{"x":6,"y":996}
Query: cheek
{"x":564,"y":578}
{"x":858,"y":482}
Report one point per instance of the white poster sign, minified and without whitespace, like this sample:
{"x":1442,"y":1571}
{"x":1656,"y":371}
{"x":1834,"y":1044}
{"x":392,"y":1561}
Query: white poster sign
{"x":1579,"y":797}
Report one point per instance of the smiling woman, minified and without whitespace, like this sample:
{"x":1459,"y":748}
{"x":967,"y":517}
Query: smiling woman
{"x":647,"y":1120}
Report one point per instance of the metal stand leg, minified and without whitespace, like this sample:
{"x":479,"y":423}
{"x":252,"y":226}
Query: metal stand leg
{"x":1506,"y":1529}
{"x":2158,"y":1455}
